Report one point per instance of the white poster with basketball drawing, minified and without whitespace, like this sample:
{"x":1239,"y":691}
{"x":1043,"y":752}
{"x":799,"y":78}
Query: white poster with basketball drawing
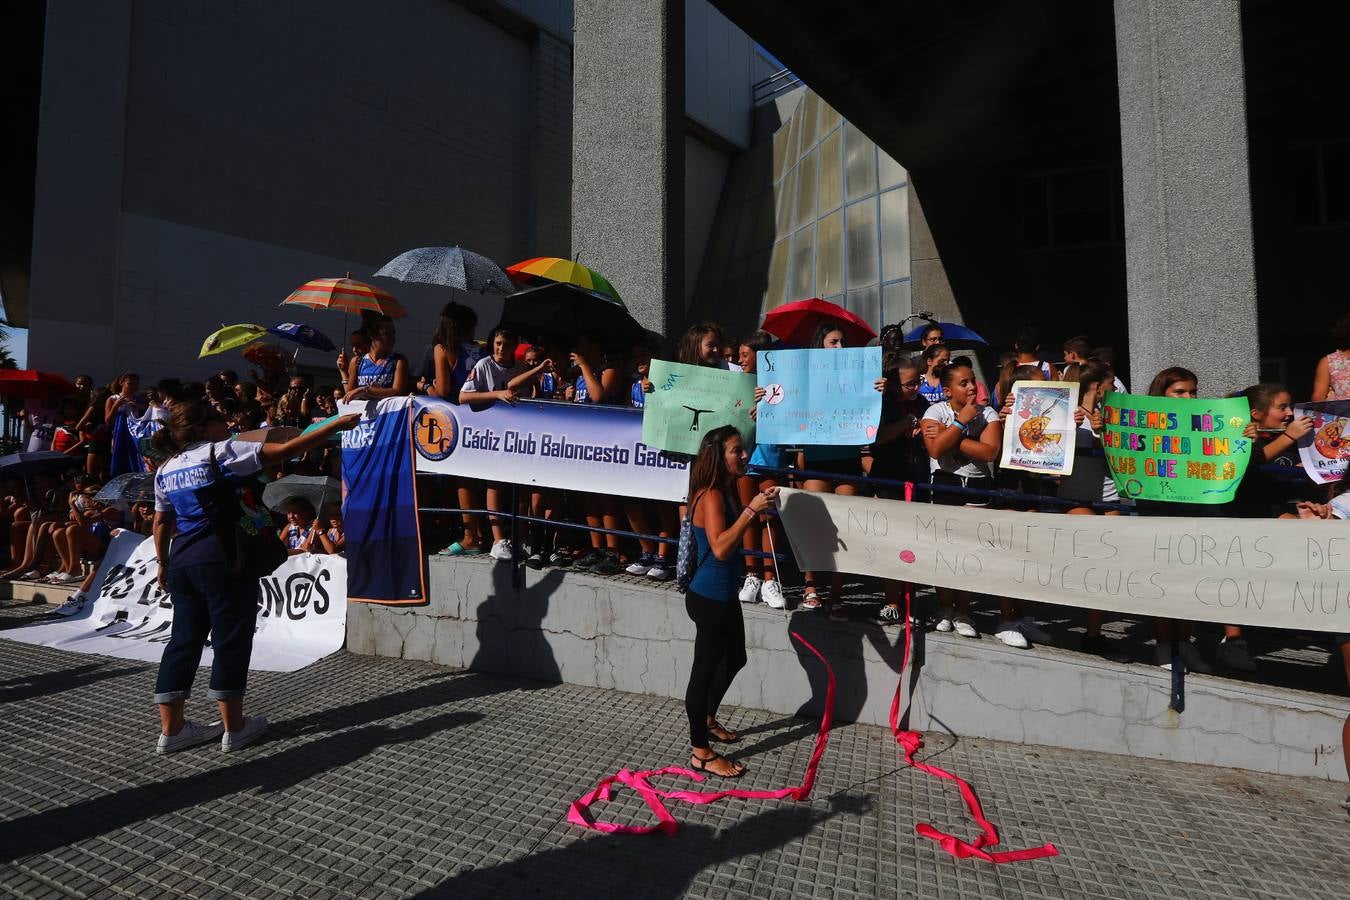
{"x":1326,"y":449}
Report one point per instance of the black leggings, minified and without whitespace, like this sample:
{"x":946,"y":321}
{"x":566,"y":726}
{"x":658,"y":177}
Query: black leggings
{"x":719,"y":653}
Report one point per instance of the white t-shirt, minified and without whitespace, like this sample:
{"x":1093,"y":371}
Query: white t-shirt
{"x":490,"y":375}
{"x":42,"y":422}
{"x":954,"y":461}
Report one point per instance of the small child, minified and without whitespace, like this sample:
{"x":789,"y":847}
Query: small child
{"x":330,"y":534}
{"x":296,"y":533}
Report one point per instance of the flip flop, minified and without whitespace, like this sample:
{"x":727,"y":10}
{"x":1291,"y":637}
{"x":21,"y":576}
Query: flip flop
{"x":458,"y":549}
{"x":701,"y":765}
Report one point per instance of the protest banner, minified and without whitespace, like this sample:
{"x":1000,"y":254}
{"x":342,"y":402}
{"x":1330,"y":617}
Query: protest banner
{"x":302,"y":611}
{"x":689,"y":401}
{"x":1174,"y":449}
{"x":1039,"y":435}
{"x":576,"y":446}
{"x":379,"y":506}
{"x":1326,"y":450}
{"x":814,"y":397}
{"x":1292,"y":573}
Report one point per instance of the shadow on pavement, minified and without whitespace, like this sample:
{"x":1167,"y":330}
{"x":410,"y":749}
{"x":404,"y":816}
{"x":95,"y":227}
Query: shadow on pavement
{"x":648,"y":866}
{"x":26,"y":687}
{"x":55,"y":828}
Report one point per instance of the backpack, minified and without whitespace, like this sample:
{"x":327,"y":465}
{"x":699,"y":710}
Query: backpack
{"x":244,"y":526}
{"x":685,"y":566}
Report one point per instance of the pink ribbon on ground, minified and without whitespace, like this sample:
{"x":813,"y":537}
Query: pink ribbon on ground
{"x":911,"y":741}
{"x":577,"y":813}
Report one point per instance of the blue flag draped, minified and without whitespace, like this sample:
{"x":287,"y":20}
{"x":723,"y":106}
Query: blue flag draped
{"x":379,"y":512}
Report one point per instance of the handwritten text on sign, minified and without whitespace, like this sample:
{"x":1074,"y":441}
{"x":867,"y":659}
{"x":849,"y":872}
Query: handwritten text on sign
{"x":1279,"y":574}
{"x":1179,"y":450}
{"x":814,"y":397}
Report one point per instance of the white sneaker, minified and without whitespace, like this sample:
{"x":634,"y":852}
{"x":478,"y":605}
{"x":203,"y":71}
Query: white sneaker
{"x":944,"y":620}
{"x":1190,"y":658}
{"x":640,"y":566}
{"x":965,"y":627}
{"x":254,"y":726}
{"x":73,"y":604}
{"x":749,"y":592}
{"x":1011,"y":634}
{"x":191,"y":735}
{"x":1033,"y":632}
{"x":658,"y":571}
{"x":501,"y":550}
{"x":1233,"y":653}
{"x":772,"y":595}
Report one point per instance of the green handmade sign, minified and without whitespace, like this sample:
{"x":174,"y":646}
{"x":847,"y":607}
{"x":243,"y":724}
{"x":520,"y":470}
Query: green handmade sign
{"x":1177,"y":450}
{"x":687,"y":402}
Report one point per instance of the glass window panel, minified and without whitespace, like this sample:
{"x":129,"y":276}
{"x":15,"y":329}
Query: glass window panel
{"x":895,"y":301}
{"x":860,"y":163}
{"x":787,"y":192}
{"x":860,"y":224}
{"x":890,"y":172}
{"x":866,"y":304}
{"x":831,"y":177}
{"x":895,"y":234}
{"x":807,"y":113}
{"x":780,"y":138}
{"x":830,"y":254}
{"x":773,"y":296}
{"x":801,"y":264}
{"x":806,"y":190}
{"x":828,"y":119}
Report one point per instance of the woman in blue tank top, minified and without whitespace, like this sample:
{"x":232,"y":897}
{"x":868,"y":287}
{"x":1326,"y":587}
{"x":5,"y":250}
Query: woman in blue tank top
{"x":379,"y":372}
{"x":711,"y":601}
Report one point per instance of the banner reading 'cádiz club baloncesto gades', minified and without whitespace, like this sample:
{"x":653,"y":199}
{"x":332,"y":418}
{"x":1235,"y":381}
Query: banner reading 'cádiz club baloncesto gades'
{"x":576,"y":446}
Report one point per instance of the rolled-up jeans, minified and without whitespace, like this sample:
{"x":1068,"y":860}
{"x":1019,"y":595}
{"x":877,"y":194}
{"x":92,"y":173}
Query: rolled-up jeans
{"x":208,"y":601}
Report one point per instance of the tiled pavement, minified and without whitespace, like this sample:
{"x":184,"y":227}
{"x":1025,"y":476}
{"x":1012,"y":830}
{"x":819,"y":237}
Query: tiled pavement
{"x":385,"y":778}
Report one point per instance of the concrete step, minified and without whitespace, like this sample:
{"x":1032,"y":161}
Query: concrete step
{"x":18,"y":592}
{"x":624,"y":634}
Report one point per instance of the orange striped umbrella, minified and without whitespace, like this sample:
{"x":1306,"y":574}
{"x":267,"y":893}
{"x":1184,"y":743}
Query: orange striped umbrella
{"x":347,"y":295}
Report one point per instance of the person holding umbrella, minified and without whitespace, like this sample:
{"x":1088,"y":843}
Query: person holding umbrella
{"x":212,"y":593}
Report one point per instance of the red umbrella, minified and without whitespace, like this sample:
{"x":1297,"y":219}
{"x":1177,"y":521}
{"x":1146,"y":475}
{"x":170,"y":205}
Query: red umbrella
{"x":31,"y":383}
{"x":796,"y":322}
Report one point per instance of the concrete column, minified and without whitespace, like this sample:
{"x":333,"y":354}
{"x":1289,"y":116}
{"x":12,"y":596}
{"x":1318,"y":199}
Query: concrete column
{"x":1188,"y":218}
{"x":77,"y":217}
{"x":628,"y":152}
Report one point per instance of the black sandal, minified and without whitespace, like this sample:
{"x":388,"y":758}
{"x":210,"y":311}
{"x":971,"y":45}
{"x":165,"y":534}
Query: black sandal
{"x":701,"y":765}
{"x":733,"y":737}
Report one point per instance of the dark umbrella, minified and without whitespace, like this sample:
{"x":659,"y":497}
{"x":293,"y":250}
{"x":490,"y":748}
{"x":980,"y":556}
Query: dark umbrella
{"x":562,"y":311}
{"x":317,"y":489}
{"x":449,"y":266}
{"x":954,"y":335}
{"x":21,"y":465}
{"x":304,"y":335}
{"x":130,"y":487}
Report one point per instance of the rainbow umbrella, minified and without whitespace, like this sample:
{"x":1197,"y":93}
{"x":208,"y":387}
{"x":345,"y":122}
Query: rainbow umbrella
{"x":347,"y":295}
{"x":229,"y":337}
{"x":543,"y":269}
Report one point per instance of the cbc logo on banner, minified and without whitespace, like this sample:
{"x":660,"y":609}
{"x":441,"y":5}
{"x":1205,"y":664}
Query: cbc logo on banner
{"x":435,"y":432}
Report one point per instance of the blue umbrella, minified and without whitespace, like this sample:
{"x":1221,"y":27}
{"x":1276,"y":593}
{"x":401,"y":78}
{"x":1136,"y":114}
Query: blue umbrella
{"x":304,"y":335}
{"x":954,"y":335}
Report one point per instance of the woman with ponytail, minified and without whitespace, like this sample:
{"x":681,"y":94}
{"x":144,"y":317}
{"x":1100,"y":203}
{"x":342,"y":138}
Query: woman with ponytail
{"x":193,"y":538}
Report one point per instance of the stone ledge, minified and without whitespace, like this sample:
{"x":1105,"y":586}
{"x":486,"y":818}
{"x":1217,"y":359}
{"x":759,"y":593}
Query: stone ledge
{"x":17,"y":592}
{"x":626,"y":635}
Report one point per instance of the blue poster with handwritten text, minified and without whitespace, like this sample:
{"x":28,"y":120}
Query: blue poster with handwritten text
{"x":814,"y":397}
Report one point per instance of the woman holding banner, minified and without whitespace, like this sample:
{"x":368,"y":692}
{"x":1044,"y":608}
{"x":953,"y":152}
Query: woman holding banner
{"x":711,"y":601}
{"x":213,"y":594}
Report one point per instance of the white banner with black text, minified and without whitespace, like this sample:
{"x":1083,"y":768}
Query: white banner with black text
{"x":302,"y":611}
{"x":1276,"y":573}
